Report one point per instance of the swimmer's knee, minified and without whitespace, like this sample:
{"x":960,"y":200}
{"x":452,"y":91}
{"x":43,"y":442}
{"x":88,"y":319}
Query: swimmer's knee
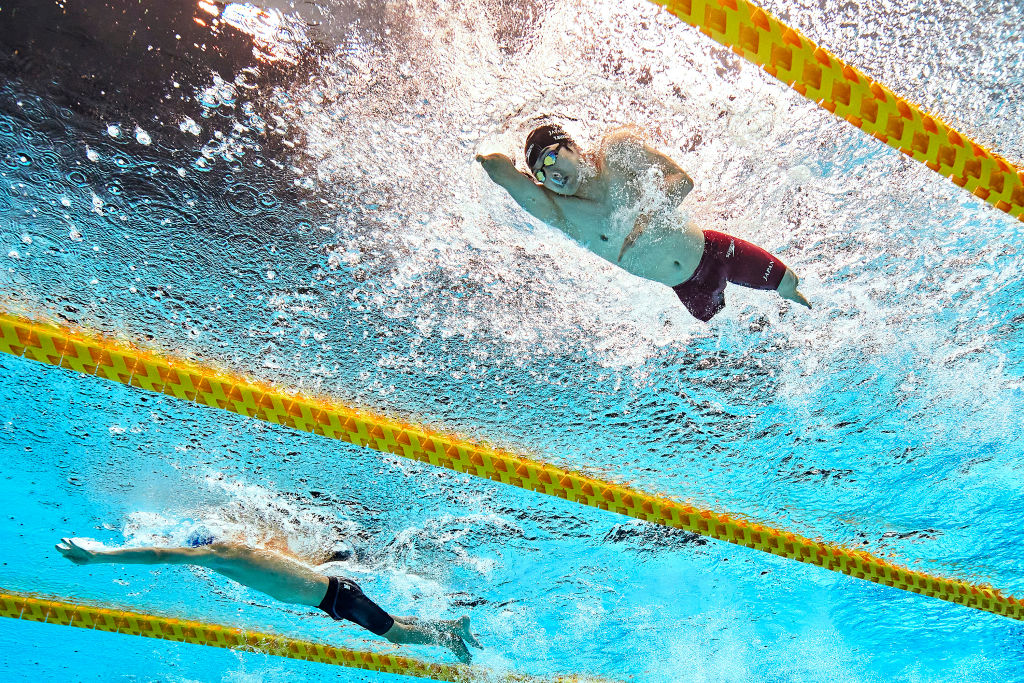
{"x":788,"y":283}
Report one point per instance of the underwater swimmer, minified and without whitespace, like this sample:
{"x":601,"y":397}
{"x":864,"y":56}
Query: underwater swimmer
{"x":287,"y":579}
{"x":620,"y":202}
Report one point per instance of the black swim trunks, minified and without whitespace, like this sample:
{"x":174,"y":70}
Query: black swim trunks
{"x":727,"y":259}
{"x":345,"y":600}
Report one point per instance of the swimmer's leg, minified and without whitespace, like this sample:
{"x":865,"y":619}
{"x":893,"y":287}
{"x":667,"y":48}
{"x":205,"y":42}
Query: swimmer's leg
{"x":787,"y":289}
{"x":751,"y":266}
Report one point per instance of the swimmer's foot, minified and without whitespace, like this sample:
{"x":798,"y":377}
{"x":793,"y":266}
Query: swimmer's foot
{"x":467,"y":635}
{"x":454,"y":635}
{"x":787,"y":289}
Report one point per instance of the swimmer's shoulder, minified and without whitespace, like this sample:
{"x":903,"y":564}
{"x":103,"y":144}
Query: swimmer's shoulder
{"x":631,"y":134}
{"x":623,"y":152}
{"x":623,"y":138}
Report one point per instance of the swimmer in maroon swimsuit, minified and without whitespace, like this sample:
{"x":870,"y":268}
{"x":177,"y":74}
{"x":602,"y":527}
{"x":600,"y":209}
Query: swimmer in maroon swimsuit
{"x":620,"y":203}
{"x":283,"y":577}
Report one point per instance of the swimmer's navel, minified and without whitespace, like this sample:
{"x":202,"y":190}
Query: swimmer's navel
{"x":604,"y":238}
{"x":677,"y":264}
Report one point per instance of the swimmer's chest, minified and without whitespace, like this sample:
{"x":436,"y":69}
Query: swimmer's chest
{"x":595,"y":225}
{"x":603,"y":225}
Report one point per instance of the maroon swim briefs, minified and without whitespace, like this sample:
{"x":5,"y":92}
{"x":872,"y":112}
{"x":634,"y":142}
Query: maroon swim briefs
{"x":727,"y":259}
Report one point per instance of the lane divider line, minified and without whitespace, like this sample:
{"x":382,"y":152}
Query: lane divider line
{"x":94,"y":355}
{"x":848,"y":93}
{"x":64,"y":613}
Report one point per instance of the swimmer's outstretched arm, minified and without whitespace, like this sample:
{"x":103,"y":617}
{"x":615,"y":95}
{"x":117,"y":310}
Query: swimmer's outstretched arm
{"x":533,"y":198}
{"x":280,"y":577}
{"x":80,"y":555}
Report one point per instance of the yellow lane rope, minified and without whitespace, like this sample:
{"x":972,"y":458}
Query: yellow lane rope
{"x":95,"y":355}
{"x":17,"y":606}
{"x":820,"y":76}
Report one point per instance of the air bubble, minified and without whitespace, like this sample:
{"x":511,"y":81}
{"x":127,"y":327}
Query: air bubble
{"x":227,"y":95}
{"x":188,"y":125}
{"x":246,"y":78}
{"x":142,"y":137}
{"x":209,"y":99}
{"x":77,"y":178}
{"x":243,"y":200}
{"x":114,"y":130}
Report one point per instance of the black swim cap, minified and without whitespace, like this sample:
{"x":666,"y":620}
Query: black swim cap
{"x":541,"y":138}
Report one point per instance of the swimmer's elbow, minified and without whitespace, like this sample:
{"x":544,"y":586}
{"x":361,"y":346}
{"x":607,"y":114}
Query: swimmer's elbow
{"x":680,"y":187}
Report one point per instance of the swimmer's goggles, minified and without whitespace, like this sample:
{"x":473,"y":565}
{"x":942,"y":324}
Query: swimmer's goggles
{"x":548,"y":159}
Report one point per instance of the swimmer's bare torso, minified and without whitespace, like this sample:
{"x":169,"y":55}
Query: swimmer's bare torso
{"x":622,"y":206}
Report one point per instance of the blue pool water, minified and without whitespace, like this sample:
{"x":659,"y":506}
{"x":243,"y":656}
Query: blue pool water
{"x":330,"y":232}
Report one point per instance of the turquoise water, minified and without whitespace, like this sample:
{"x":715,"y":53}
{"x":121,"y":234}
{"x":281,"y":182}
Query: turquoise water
{"x":330,"y":232}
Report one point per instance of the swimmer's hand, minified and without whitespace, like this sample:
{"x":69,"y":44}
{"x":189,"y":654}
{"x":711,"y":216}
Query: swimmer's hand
{"x":75,"y":552}
{"x":787,"y":289}
{"x":497,"y":166}
{"x":492,"y":159}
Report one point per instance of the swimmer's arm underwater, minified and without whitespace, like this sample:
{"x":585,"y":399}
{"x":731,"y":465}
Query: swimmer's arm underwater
{"x":677,"y":182}
{"x":81,"y":555}
{"x":627,"y":155}
{"x":622,"y":149}
{"x":533,"y":198}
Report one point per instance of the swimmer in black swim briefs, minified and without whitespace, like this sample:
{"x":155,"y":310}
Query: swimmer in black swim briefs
{"x":620,"y":202}
{"x":286,"y":579}
{"x":346,"y":600}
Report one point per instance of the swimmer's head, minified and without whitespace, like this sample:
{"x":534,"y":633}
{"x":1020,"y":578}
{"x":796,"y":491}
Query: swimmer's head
{"x":554,"y":159}
{"x":341,"y":551}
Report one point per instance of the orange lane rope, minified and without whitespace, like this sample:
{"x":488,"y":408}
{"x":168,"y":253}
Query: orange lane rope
{"x":820,"y":76}
{"x":95,"y":355}
{"x":47,"y":611}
